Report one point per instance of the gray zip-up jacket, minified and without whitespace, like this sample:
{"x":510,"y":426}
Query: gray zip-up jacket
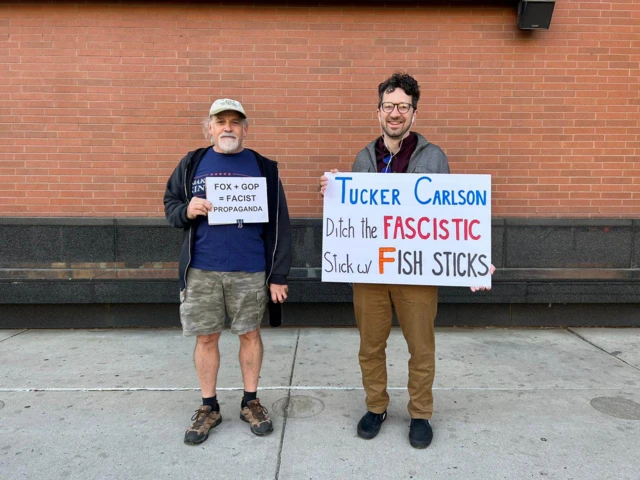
{"x":426,"y":158}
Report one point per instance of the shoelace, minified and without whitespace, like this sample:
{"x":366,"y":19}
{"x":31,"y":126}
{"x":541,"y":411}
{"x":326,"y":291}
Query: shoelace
{"x":259,"y":411}
{"x":196,"y":416}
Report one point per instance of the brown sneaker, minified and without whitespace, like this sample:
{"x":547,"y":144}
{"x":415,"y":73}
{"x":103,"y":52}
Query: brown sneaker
{"x":203,"y":420}
{"x":258,"y":417}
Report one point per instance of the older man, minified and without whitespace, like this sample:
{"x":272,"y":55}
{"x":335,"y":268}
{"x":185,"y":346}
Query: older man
{"x":227,"y":269}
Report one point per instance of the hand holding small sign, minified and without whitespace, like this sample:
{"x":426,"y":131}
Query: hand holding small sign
{"x":198,"y":206}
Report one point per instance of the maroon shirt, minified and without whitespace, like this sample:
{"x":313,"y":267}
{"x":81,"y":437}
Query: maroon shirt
{"x":400,"y":161}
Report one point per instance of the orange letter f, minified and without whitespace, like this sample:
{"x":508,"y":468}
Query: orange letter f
{"x":382,"y":259}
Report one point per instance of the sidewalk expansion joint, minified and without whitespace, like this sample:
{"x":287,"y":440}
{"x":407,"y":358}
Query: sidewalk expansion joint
{"x":285,"y":410}
{"x":601,"y":349}
{"x":14,"y":335}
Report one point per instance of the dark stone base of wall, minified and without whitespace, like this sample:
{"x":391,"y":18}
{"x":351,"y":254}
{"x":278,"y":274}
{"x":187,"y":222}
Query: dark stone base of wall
{"x":100,"y":273}
{"x":324,"y":315}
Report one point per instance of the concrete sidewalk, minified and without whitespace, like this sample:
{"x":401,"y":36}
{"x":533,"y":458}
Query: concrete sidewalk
{"x":509,"y":404}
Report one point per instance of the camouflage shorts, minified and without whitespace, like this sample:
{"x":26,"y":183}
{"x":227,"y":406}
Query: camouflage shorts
{"x":209,"y":295}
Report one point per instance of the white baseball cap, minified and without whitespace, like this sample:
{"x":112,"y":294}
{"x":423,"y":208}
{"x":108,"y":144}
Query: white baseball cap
{"x":223,"y":104}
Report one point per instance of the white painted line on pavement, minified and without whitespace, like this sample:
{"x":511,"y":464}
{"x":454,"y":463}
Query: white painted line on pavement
{"x":235,"y":389}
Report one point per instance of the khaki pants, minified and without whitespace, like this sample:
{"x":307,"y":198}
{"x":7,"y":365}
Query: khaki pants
{"x":416,"y":307}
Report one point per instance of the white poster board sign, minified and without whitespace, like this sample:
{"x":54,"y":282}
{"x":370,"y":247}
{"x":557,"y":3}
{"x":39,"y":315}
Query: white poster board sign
{"x":237,"y":199}
{"x":414,"y":229}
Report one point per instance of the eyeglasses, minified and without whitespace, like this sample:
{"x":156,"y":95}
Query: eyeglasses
{"x":387,"y":107}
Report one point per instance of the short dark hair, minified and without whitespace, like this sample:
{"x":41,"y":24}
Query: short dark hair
{"x":400,"y":80}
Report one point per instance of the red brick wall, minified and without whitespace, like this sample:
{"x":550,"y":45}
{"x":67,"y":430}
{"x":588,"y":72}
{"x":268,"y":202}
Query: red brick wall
{"x":99,"y":102}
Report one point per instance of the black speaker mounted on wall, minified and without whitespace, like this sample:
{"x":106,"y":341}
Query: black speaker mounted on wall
{"x":535,"y":14}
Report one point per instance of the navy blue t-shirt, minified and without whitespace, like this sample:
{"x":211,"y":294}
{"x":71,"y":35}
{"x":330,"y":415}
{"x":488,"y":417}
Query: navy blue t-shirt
{"x":227,"y":248}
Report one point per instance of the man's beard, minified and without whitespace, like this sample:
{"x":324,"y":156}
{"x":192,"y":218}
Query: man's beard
{"x":399,"y":134}
{"x":228,"y":144}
